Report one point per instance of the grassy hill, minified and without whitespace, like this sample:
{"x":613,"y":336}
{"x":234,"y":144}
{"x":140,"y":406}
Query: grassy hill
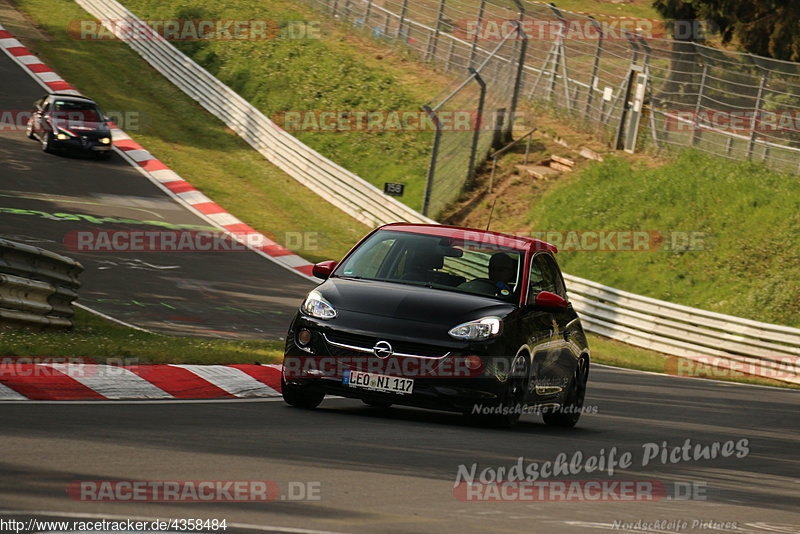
{"x":745,"y":217}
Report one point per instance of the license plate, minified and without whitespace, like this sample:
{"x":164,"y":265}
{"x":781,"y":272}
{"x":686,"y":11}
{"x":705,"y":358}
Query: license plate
{"x":390,"y":384}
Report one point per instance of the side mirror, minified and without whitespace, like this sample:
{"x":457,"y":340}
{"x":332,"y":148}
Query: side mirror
{"x":324,"y":269}
{"x":547,"y":299}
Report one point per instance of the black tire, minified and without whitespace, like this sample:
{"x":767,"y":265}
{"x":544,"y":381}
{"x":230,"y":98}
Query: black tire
{"x":508,"y":412}
{"x":307,"y":397}
{"x":377,"y":404}
{"x":570,"y":412}
{"x":47,"y":142}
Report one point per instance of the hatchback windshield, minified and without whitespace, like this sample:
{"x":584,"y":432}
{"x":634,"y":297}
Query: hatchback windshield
{"x":454,"y":264}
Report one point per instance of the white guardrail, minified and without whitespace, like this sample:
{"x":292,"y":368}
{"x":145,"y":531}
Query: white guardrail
{"x":729,"y":343}
{"x":37,"y":287}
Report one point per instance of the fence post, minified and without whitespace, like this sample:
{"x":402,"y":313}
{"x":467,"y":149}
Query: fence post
{"x":450,"y":55}
{"x":698,"y":104}
{"x":562,"y":56}
{"x":366,"y":14}
{"x":476,"y":134}
{"x":346,"y":9}
{"x":436,"y":32}
{"x":434,"y":154}
{"x":402,"y":20}
{"x":335,"y":5}
{"x":595,"y":66}
{"x":477,"y":32}
{"x":518,"y":78}
{"x":752,"y":143}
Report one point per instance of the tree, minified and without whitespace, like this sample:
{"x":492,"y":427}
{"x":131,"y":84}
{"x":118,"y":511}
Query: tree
{"x":764,"y":27}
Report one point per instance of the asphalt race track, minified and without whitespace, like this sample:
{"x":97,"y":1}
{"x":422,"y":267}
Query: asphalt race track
{"x":394,"y":470}
{"x":224,"y":293}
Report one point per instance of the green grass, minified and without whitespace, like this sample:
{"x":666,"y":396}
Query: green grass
{"x":748,"y":217}
{"x":102,"y":340}
{"x":188,"y":139}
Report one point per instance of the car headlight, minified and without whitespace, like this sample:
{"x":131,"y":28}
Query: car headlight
{"x":477,"y":330}
{"x":318,"y":307}
{"x":105,"y":140}
{"x":61,"y":136}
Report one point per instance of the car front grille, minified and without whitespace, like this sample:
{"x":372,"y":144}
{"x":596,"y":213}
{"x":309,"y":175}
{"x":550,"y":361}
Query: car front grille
{"x":346,"y":344}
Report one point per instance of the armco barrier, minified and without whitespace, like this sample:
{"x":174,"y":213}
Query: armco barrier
{"x":749,"y":347}
{"x":649,"y":323}
{"x":340,"y":187}
{"x":37,"y":287}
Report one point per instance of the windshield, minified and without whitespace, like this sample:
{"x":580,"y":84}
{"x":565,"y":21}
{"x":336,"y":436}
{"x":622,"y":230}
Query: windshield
{"x":453,"y":264}
{"x":76,"y":112}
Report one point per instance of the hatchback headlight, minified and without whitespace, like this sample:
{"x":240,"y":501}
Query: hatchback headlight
{"x":318,"y":307}
{"x":105,"y":140}
{"x":477,"y":330}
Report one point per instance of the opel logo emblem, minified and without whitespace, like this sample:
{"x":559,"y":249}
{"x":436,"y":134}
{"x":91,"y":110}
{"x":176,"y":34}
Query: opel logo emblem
{"x":382,"y":349}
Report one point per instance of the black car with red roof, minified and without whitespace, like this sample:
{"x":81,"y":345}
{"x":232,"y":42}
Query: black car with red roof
{"x":441,"y":317}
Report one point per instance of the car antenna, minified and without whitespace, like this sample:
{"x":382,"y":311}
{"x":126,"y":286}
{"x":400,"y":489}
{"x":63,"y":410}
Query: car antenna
{"x":490,"y":214}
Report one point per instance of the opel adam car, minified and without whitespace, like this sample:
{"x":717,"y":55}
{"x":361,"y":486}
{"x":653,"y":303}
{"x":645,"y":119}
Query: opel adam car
{"x":70,"y":123}
{"x":445,"y":318}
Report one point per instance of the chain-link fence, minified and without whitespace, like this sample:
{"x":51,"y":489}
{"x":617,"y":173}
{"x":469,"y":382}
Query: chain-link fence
{"x":621,"y":76}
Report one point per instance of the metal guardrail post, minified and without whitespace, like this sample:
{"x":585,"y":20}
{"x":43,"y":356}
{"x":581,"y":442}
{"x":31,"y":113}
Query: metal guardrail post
{"x":753,"y":121}
{"x":478,"y":124}
{"x":562,"y":58}
{"x":595,"y":65}
{"x":698,"y":104}
{"x":400,"y":34}
{"x":435,"y":43}
{"x":367,"y":13}
{"x":520,"y":72}
{"x":434,"y":155}
{"x":478,"y":27}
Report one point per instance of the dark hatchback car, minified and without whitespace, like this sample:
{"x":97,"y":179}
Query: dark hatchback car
{"x":444,"y":318}
{"x":70,"y":123}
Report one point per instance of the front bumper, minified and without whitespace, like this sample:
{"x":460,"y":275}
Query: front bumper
{"x":442,"y":379}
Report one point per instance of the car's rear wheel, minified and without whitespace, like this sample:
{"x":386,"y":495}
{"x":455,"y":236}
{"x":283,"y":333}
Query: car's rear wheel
{"x":569,"y":413}
{"x":301,"y":396}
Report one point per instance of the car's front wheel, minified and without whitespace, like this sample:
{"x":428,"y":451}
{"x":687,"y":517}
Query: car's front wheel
{"x":47,"y":142}
{"x":569,"y":412}
{"x":305,"y":396}
{"x":508,"y":412}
